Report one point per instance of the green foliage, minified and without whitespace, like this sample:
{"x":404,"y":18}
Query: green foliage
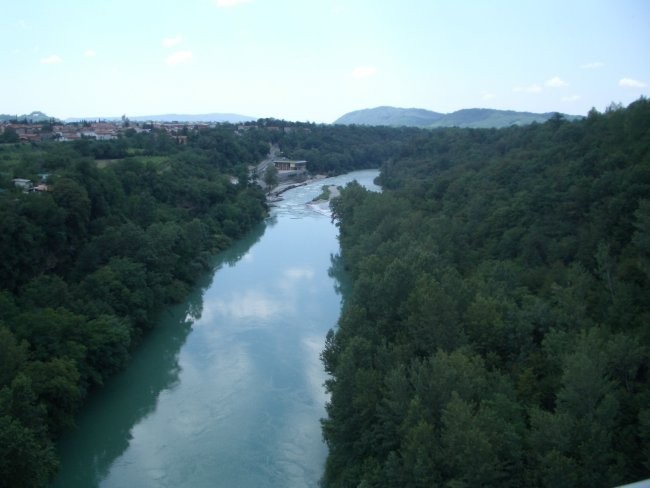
{"x":496,"y":333}
{"x":335,"y":149}
{"x":27,"y":456}
{"x":9,"y":135}
{"x":12,"y":355}
{"x":271,"y":176}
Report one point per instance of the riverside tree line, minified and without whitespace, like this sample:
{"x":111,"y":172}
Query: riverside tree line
{"x":497,"y":332}
{"x":87,"y":266}
{"x":125,"y":229}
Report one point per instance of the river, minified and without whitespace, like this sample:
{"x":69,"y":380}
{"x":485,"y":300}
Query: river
{"x":228,"y":390}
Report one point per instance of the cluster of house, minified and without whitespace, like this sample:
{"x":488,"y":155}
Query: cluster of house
{"x":108,"y":130}
{"x":101,"y":131}
{"x":28,"y":185}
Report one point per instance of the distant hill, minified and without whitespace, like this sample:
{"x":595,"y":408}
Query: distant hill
{"x":35,"y":116}
{"x":392,"y":116}
{"x":480,"y":118}
{"x":215,"y":117}
{"x":417,"y":117}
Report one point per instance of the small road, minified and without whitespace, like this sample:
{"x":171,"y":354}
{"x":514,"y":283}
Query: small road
{"x":274,"y":150}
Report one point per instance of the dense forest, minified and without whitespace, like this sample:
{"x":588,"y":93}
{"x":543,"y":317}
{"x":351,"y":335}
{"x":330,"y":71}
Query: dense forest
{"x":497,"y":330}
{"x":124,"y":228}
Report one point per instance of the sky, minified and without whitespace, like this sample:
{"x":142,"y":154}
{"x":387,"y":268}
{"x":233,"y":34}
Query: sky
{"x":315,"y":60}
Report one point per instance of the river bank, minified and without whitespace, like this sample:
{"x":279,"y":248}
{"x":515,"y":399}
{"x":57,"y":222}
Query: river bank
{"x":321,"y":203}
{"x":228,"y":391}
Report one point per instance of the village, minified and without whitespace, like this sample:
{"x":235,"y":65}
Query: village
{"x":290,"y":173}
{"x":25,"y":131}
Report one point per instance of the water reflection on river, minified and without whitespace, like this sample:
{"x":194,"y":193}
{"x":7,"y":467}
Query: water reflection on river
{"x":228,"y":390}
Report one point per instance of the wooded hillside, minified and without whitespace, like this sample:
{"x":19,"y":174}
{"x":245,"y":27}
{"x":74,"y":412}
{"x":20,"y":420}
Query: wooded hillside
{"x":498,"y":326}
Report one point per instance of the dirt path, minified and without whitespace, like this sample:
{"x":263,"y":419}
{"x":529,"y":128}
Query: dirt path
{"x":274,"y":150}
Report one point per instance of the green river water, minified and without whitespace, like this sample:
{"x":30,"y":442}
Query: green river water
{"x":228,"y":390}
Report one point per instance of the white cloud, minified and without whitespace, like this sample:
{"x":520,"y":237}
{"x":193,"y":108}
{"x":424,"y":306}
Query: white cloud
{"x":488,"y":96}
{"x":178,"y":57}
{"x":534,"y":88}
{"x":172,"y":41}
{"x":594,"y":65}
{"x":631,"y":83}
{"x":572,"y":98}
{"x":90,"y":53}
{"x":556,"y":82}
{"x":299,"y":273}
{"x":53,"y":59}
{"x":250,"y":304}
{"x":231,"y":3}
{"x":292,"y":277}
{"x":364,"y":72}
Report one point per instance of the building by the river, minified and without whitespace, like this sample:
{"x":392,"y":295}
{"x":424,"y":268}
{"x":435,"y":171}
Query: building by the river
{"x":284,"y":165}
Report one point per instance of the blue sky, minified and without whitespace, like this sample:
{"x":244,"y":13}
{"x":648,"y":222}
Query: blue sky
{"x":315,"y":60}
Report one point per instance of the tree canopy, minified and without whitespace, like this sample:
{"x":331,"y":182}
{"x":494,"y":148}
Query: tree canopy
{"x":88,"y":265}
{"x":497,"y":329}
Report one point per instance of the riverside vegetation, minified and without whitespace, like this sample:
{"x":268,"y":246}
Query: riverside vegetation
{"x":496,"y":331}
{"x":87,"y":267}
{"x":498,"y":325}
{"x":127,"y":227}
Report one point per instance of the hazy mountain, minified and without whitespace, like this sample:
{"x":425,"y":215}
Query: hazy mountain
{"x":471,"y":117}
{"x":215,"y":117}
{"x":35,"y":116}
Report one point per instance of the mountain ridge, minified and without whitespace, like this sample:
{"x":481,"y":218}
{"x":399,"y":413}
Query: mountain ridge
{"x":467,"y":118}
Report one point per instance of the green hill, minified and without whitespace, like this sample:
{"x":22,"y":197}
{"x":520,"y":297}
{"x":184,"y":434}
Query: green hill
{"x":467,"y":118}
{"x":390,"y":116}
{"x":482,"y":118}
